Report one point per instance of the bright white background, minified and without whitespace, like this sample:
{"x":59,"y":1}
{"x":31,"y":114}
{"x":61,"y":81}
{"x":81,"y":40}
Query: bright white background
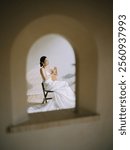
{"x":121,"y":142}
{"x":60,"y":54}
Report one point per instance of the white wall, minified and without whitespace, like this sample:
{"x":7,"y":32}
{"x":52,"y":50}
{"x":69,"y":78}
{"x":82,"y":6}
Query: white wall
{"x":60,"y":54}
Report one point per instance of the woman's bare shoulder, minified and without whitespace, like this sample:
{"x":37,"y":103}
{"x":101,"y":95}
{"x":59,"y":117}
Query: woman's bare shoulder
{"x":42,"y":69}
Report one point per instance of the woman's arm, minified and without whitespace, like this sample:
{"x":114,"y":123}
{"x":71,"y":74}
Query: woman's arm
{"x":54,"y":73}
{"x":43,"y":74}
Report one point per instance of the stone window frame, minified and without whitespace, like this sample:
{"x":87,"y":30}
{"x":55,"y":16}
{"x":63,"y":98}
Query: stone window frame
{"x":81,"y":39}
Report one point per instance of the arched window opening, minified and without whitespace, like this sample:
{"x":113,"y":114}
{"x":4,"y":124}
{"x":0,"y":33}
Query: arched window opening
{"x":70,"y":31}
{"x":60,"y":54}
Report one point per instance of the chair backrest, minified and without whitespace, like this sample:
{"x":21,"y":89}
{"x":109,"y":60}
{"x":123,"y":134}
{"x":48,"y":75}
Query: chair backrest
{"x":43,"y":86}
{"x":45,"y":92}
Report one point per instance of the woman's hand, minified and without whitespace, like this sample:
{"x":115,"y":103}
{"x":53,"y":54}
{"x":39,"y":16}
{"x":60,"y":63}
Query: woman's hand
{"x":54,"y":74}
{"x":55,"y":70}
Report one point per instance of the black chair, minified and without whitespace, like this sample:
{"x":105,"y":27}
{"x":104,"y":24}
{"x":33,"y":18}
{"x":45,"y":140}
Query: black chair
{"x":45,"y":92}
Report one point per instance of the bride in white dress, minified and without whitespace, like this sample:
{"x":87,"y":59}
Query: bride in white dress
{"x":63,"y":96}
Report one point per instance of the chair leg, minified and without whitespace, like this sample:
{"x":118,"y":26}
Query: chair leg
{"x":45,"y":97}
{"x":44,"y":100}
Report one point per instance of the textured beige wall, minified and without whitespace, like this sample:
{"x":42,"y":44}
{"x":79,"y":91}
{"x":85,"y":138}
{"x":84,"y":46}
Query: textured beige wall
{"x":86,"y":54}
{"x":97,"y":18}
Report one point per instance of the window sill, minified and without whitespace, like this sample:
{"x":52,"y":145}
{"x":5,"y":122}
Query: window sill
{"x":53,"y":119}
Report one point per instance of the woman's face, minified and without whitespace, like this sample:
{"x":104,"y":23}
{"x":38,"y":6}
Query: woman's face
{"x":46,"y":62}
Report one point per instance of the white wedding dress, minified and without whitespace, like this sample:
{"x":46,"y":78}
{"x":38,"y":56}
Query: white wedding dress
{"x":63,"y":96}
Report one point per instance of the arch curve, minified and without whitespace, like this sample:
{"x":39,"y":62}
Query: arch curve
{"x":60,"y":54}
{"x":86,"y":56}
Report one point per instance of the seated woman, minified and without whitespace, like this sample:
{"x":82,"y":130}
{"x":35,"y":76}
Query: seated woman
{"x":64,"y":97}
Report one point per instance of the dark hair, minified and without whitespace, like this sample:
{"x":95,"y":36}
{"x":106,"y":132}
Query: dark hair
{"x":42,"y":59}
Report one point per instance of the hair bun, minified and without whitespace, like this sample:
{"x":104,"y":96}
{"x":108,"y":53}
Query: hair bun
{"x":42,"y":59}
{"x":41,"y":64}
